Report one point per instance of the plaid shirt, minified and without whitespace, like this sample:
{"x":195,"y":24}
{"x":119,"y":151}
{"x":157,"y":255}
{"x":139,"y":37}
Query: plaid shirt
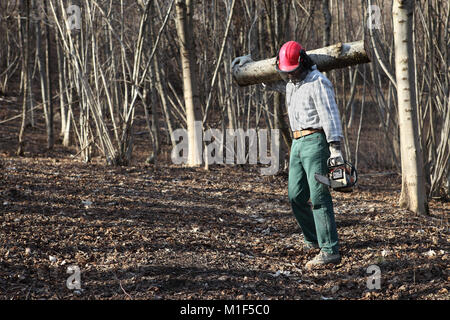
{"x":311,"y":104}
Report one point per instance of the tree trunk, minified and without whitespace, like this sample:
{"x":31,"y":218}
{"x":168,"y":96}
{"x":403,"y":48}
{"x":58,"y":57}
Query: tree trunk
{"x":43,"y":60}
{"x":48,"y":71}
{"x":413,"y":196}
{"x":162,"y":89}
{"x":337,"y":56}
{"x":191,"y":99}
{"x":24,"y":26}
{"x":277,"y":37}
{"x":327,"y":18}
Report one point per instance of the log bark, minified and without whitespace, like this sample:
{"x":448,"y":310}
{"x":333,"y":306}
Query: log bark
{"x":337,"y":56}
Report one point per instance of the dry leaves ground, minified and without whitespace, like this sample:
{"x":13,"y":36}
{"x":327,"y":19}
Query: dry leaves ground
{"x":167,"y":232}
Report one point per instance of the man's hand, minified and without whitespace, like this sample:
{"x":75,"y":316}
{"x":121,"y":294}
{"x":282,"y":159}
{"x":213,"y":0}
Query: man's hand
{"x":336,"y":157}
{"x":240,"y":61}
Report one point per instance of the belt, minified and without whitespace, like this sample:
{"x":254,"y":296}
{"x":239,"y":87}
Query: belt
{"x":303,"y":133}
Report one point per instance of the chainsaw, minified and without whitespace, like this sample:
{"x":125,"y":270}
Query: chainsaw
{"x":341,"y":177}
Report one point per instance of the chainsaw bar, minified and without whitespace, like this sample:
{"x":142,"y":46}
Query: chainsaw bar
{"x":322,"y":179}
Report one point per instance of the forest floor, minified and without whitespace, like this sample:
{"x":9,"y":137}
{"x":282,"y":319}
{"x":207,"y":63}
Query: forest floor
{"x":167,"y":232}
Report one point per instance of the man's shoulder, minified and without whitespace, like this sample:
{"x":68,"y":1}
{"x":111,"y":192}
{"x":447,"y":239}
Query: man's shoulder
{"x":318,"y":77}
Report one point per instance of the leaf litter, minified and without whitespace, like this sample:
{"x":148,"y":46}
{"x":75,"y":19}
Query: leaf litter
{"x":167,"y":232}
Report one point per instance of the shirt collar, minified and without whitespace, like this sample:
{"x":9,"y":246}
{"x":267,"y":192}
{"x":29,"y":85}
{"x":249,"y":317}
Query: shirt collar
{"x":299,"y":83}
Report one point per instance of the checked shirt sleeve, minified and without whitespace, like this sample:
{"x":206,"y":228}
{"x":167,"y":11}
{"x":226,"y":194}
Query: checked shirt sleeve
{"x":327,"y":109}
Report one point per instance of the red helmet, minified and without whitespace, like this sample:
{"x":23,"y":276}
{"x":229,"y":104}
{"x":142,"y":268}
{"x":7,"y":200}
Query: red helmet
{"x":289,"y":56}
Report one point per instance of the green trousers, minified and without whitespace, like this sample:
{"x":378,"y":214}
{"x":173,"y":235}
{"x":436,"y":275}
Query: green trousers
{"x":316,"y":217}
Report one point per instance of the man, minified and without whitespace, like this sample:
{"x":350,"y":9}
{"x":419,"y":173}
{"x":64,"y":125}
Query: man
{"x":315,"y":122}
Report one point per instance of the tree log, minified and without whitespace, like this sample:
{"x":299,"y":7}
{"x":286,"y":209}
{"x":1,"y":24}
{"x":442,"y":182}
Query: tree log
{"x":337,"y":56}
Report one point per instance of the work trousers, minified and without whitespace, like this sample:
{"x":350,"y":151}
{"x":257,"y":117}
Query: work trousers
{"x":310,"y":200}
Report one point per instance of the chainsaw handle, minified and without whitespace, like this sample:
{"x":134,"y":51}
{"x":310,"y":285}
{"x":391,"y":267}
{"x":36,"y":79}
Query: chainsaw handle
{"x":341,"y":163}
{"x":352,"y":172}
{"x":347,"y":165}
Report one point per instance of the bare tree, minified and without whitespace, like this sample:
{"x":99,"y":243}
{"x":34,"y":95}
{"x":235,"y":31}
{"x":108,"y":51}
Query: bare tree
{"x":24,"y":27}
{"x":413,"y":196}
{"x":327,"y":27}
{"x":184,"y":10}
{"x":43,"y":59}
